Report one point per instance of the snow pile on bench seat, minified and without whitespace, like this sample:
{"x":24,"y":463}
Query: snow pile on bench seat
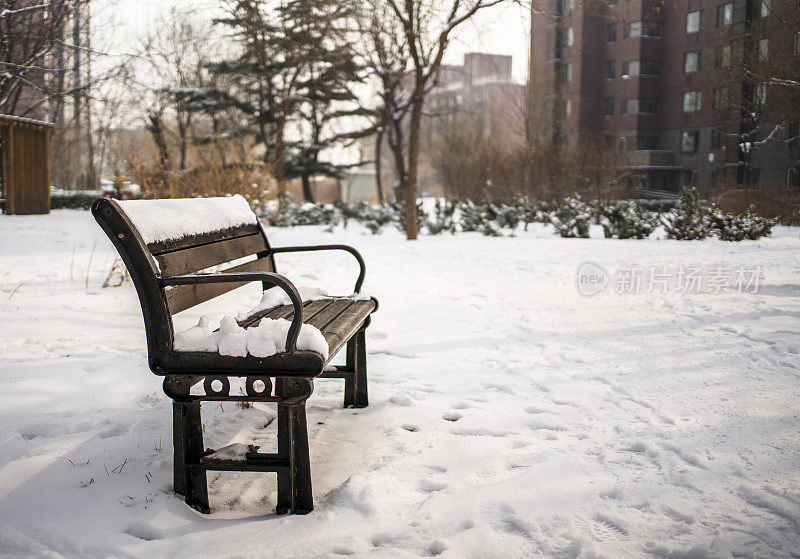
{"x":275,"y":297}
{"x":164,"y":220}
{"x":268,"y":338}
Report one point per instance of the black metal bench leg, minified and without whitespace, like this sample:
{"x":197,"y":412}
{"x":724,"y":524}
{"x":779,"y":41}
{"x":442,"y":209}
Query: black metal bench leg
{"x":294,"y":483}
{"x":191,"y":442}
{"x":178,"y":447}
{"x":355,"y":386}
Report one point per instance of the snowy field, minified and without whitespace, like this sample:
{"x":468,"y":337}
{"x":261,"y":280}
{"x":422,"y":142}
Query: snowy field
{"x":510,"y":416}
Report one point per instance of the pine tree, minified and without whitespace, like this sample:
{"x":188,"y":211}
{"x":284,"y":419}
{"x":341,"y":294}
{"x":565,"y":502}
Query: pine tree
{"x":690,"y":219}
{"x":316,"y":34}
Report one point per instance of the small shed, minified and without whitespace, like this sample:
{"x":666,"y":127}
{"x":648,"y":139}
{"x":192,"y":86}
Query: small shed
{"x":24,"y":165}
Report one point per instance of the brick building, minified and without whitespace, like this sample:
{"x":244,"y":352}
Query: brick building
{"x":685,"y":88}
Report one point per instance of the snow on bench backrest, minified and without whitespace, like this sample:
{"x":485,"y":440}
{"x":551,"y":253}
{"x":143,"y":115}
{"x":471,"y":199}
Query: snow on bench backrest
{"x":159,"y":221}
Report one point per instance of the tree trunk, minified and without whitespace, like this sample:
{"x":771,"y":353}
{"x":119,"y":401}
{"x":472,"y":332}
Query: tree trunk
{"x":308,"y":193}
{"x":396,"y":144}
{"x":157,"y":131}
{"x":378,"y":181}
{"x":413,"y":162}
{"x":278,"y":166}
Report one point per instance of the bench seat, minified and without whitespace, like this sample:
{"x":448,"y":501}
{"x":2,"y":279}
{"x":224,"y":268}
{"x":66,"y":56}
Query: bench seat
{"x":338,"y":318}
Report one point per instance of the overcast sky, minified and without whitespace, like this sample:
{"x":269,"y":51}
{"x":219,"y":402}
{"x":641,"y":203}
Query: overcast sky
{"x":498,"y":30}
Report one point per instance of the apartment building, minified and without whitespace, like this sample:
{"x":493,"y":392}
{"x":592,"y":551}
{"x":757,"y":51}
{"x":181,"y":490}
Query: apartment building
{"x":689,"y":91}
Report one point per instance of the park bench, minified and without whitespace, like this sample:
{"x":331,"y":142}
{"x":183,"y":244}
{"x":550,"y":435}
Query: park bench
{"x":168,"y":247}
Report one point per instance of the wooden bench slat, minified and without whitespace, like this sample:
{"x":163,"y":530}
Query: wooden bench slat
{"x":183,"y":297}
{"x":190,"y":260}
{"x":323,"y":318}
{"x":203,"y":239}
{"x":339,"y":330}
{"x":310,"y":309}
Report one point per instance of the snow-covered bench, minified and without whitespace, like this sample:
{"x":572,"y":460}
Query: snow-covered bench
{"x":279,"y":348}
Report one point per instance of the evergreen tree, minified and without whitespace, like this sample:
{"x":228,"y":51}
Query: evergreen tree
{"x":690,"y":219}
{"x":290,"y":81}
{"x":316,"y":33}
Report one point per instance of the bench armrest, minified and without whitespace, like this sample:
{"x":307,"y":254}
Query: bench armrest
{"x":270,"y":278}
{"x":362,"y":266}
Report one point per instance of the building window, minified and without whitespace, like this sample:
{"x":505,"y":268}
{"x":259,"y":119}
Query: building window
{"x":722,"y":56}
{"x":691,"y":62}
{"x":717,"y":135}
{"x":627,"y":143}
{"x":608,"y":140}
{"x":608,"y":106}
{"x":763,"y":8}
{"x":642,"y":68}
{"x":692,"y":101}
{"x":611,"y":32}
{"x":724,"y":14}
{"x":759,"y":94}
{"x":651,"y":67}
{"x":763,"y":49}
{"x":646,"y":143}
{"x":552,"y":47}
{"x":568,"y":108}
{"x":640,"y":106}
{"x":631,"y":68}
{"x":569,"y":37}
{"x":689,"y":141}
{"x":644,"y":29}
{"x":610,"y":69}
{"x":792,"y":179}
{"x":694,"y":21}
{"x":753,"y":175}
{"x":721,"y":98}
{"x":567,"y":73}
{"x":630,"y":106}
{"x":713,"y":177}
{"x":797,"y":42}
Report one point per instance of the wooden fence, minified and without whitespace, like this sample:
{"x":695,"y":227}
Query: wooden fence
{"x":24,"y":165}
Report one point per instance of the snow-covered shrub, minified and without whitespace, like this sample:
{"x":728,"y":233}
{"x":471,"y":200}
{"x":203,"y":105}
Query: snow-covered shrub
{"x":572,"y":217}
{"x":399,"y":215}
{"x":375,"y":217}
{"x":690,"y":220}
{"x":470,"y":216}
{"x":508,"y":217}
{"x":72,"y":199}
{"x":626,"y":219}
{"x":442,"y":219}
{"x":749,"y":225}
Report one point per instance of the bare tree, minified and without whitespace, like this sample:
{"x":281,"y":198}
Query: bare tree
{"x":30,"y":32}
{"x":427,"y":27}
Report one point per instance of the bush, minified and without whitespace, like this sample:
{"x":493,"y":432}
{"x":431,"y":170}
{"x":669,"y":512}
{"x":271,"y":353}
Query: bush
{"x":572,"y":217}
{"x":443,"y":218}
{"x":72,"y":199}
{"x":730,"y":227}
{"x":626,"y":219}
{"x":690,"y":220}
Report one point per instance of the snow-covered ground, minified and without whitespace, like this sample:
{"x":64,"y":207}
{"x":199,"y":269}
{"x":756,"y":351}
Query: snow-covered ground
{"x":510,"y":415}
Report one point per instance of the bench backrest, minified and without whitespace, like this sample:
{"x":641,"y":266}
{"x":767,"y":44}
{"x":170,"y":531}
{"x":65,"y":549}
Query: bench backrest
{"x":165,"y":238}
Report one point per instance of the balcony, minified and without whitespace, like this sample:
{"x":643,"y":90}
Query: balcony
{"x":651,"y":158}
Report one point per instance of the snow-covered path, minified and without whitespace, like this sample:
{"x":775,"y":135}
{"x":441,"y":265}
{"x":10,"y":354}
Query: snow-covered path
{"x":510,"y":416}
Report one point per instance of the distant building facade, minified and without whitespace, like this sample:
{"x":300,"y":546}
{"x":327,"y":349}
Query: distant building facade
{"x":683,"y":87}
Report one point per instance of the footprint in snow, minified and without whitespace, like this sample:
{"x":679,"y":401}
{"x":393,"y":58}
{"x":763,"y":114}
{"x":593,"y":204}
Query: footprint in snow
{"x":411,"y":428}
{"x":431,"y":486}
{"x":451,"y":416}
